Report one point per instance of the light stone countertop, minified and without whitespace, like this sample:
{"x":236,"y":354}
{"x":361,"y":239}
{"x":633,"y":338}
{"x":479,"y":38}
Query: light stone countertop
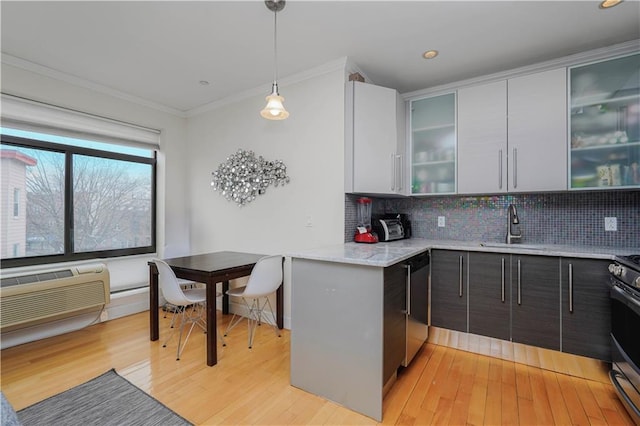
{"x":390,"y":253}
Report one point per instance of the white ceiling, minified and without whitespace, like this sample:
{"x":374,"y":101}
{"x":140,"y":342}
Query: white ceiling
{"x":157,"y":52}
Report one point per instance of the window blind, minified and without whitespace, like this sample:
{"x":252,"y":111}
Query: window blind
{"x":25,"y":114}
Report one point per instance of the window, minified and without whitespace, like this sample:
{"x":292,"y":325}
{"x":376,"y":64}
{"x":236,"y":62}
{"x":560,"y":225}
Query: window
{"x":16,"y":202}
{"x":82,"y":199}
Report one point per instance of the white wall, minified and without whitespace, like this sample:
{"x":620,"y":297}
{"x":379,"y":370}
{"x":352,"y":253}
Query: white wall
{"x":310,"y":143}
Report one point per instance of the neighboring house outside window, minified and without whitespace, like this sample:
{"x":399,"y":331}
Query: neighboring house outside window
{"x":14,"y":165}
{"x":16,"y":202}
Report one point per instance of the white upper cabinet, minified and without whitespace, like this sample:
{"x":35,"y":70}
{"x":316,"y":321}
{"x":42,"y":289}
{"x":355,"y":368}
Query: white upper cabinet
{"x":482,"y":138}
{"x":537,"y":132}
{"x":605,"y":124}
{"x":433,"y":145}
{"x":512,"y":135}
{"x":374,"y":140}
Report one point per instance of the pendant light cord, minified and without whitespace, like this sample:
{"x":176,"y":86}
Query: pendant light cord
{"x":275,"y":46}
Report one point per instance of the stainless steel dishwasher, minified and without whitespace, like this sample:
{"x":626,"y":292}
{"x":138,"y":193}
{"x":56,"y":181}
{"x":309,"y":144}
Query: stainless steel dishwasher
{"x":417,"y":305}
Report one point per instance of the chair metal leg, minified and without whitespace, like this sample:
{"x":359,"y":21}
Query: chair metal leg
{"x":202,"y":320}
{"x":255,"y":316}
{"x":252,"y":321}
{"x":193,"y":318}
{"x":273,"y":324}
{"x":188,"y":319}
{"x":177,"y":312}
{"x":193,"y":321}
{"x":258,"y":316}
{"x":174,"y":310}
{"x":235,"y":320}
{"x":182,"y":324}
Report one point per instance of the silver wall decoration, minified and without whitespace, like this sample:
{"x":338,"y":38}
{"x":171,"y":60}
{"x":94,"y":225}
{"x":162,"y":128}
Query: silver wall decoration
{"x":242,"y":176}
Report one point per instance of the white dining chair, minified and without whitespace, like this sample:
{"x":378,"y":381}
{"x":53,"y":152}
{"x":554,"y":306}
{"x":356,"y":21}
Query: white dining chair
{"x":265,"y":278}
{"x":190,"y":304}
{"x":169,"y":252}
{"x":186,"y":285}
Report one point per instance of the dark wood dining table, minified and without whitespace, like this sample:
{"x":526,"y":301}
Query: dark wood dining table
{"x":210,"y":269}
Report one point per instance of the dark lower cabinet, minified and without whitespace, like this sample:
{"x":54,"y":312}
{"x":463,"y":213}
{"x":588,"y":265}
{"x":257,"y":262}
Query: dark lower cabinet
{"x":515,"y":297}
{"x":490,"y":295}
{"x":449,"y":289}
{"x":535,"y":290}
{"x":545,"y":301}
{"x":586,"y":308}
{"x":394,"y":334}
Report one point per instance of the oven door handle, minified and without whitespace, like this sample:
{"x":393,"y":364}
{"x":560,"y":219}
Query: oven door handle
{"x":622,"y":296}
{"x":613,"y":376}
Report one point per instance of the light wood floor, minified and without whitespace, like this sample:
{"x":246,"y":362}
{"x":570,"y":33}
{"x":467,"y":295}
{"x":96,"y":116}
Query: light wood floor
{"x":442,"y":385}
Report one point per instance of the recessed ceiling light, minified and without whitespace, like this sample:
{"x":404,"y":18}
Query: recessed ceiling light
{"x":204,"y":83}
{"x":606,"y":4}
{"x":430,"y":54}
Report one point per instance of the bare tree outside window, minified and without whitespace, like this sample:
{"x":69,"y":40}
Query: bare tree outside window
{"x":111,"y":202}
{"x":45,"y":203}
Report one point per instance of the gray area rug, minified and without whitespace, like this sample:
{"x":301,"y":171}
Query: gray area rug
{"x":106,"y":400}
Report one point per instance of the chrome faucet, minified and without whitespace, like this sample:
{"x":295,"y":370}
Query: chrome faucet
{"x":513,"y":224}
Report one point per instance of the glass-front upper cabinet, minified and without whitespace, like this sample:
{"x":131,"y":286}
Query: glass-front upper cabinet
{"x":605,"y":124}
{"x":433,"y":145}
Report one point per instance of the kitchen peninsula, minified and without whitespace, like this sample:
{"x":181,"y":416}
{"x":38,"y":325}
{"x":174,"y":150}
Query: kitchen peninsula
{"x":347,"y":321}
{"x":344,"y":307}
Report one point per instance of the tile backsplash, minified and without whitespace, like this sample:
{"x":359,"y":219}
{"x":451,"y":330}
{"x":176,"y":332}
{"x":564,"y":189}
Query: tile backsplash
{"x":552,"y":218}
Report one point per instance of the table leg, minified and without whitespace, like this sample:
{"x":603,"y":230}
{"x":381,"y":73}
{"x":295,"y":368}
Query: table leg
{"x":212,"y":329}
{"x":154,"y":332}
{"x":225,"y":297}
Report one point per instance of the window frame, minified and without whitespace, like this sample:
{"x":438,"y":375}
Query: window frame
{"x":69,"y":151}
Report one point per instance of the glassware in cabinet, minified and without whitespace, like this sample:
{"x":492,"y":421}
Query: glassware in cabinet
{"x":433,"y":145}
{"x":605,"y":124}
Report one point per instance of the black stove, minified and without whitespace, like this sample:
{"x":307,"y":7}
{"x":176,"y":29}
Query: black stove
{"x":625,"y":323}
{"x":626,"y":270}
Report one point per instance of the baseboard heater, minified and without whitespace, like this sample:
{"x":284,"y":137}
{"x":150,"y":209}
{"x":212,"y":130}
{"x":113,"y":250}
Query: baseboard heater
{"x":49,"y":295}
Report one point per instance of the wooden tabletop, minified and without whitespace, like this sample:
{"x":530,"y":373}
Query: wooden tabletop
{"x":214,"y":262}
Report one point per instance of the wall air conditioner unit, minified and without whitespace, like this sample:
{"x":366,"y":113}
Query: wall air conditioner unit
{"x":39,"y":297}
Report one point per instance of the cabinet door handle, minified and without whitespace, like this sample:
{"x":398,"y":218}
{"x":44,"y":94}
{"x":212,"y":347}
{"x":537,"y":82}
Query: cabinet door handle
{"x":499,"y":169}
{"x":460,"y":289}
{"x":515,"y":168}
{"x":402,"y":169}
{"x":393,"y":171}
{"x":570,"y":288}
{"x":503,"y":280}
{"x":399,"y":182}
{"x":408,"y":289}
{"x":519,"y":285}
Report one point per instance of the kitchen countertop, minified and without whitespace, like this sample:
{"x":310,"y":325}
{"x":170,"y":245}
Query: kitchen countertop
{"x":390,"y":253}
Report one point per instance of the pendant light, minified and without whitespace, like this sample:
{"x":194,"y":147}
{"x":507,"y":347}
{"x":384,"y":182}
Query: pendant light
{"x":275,"y":109}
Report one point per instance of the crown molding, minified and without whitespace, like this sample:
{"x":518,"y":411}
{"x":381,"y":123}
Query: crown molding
{"x":81,"y":82}
{"x":621,"y":49}
{"x":338,"y":64}
{"x":77,"y":81}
